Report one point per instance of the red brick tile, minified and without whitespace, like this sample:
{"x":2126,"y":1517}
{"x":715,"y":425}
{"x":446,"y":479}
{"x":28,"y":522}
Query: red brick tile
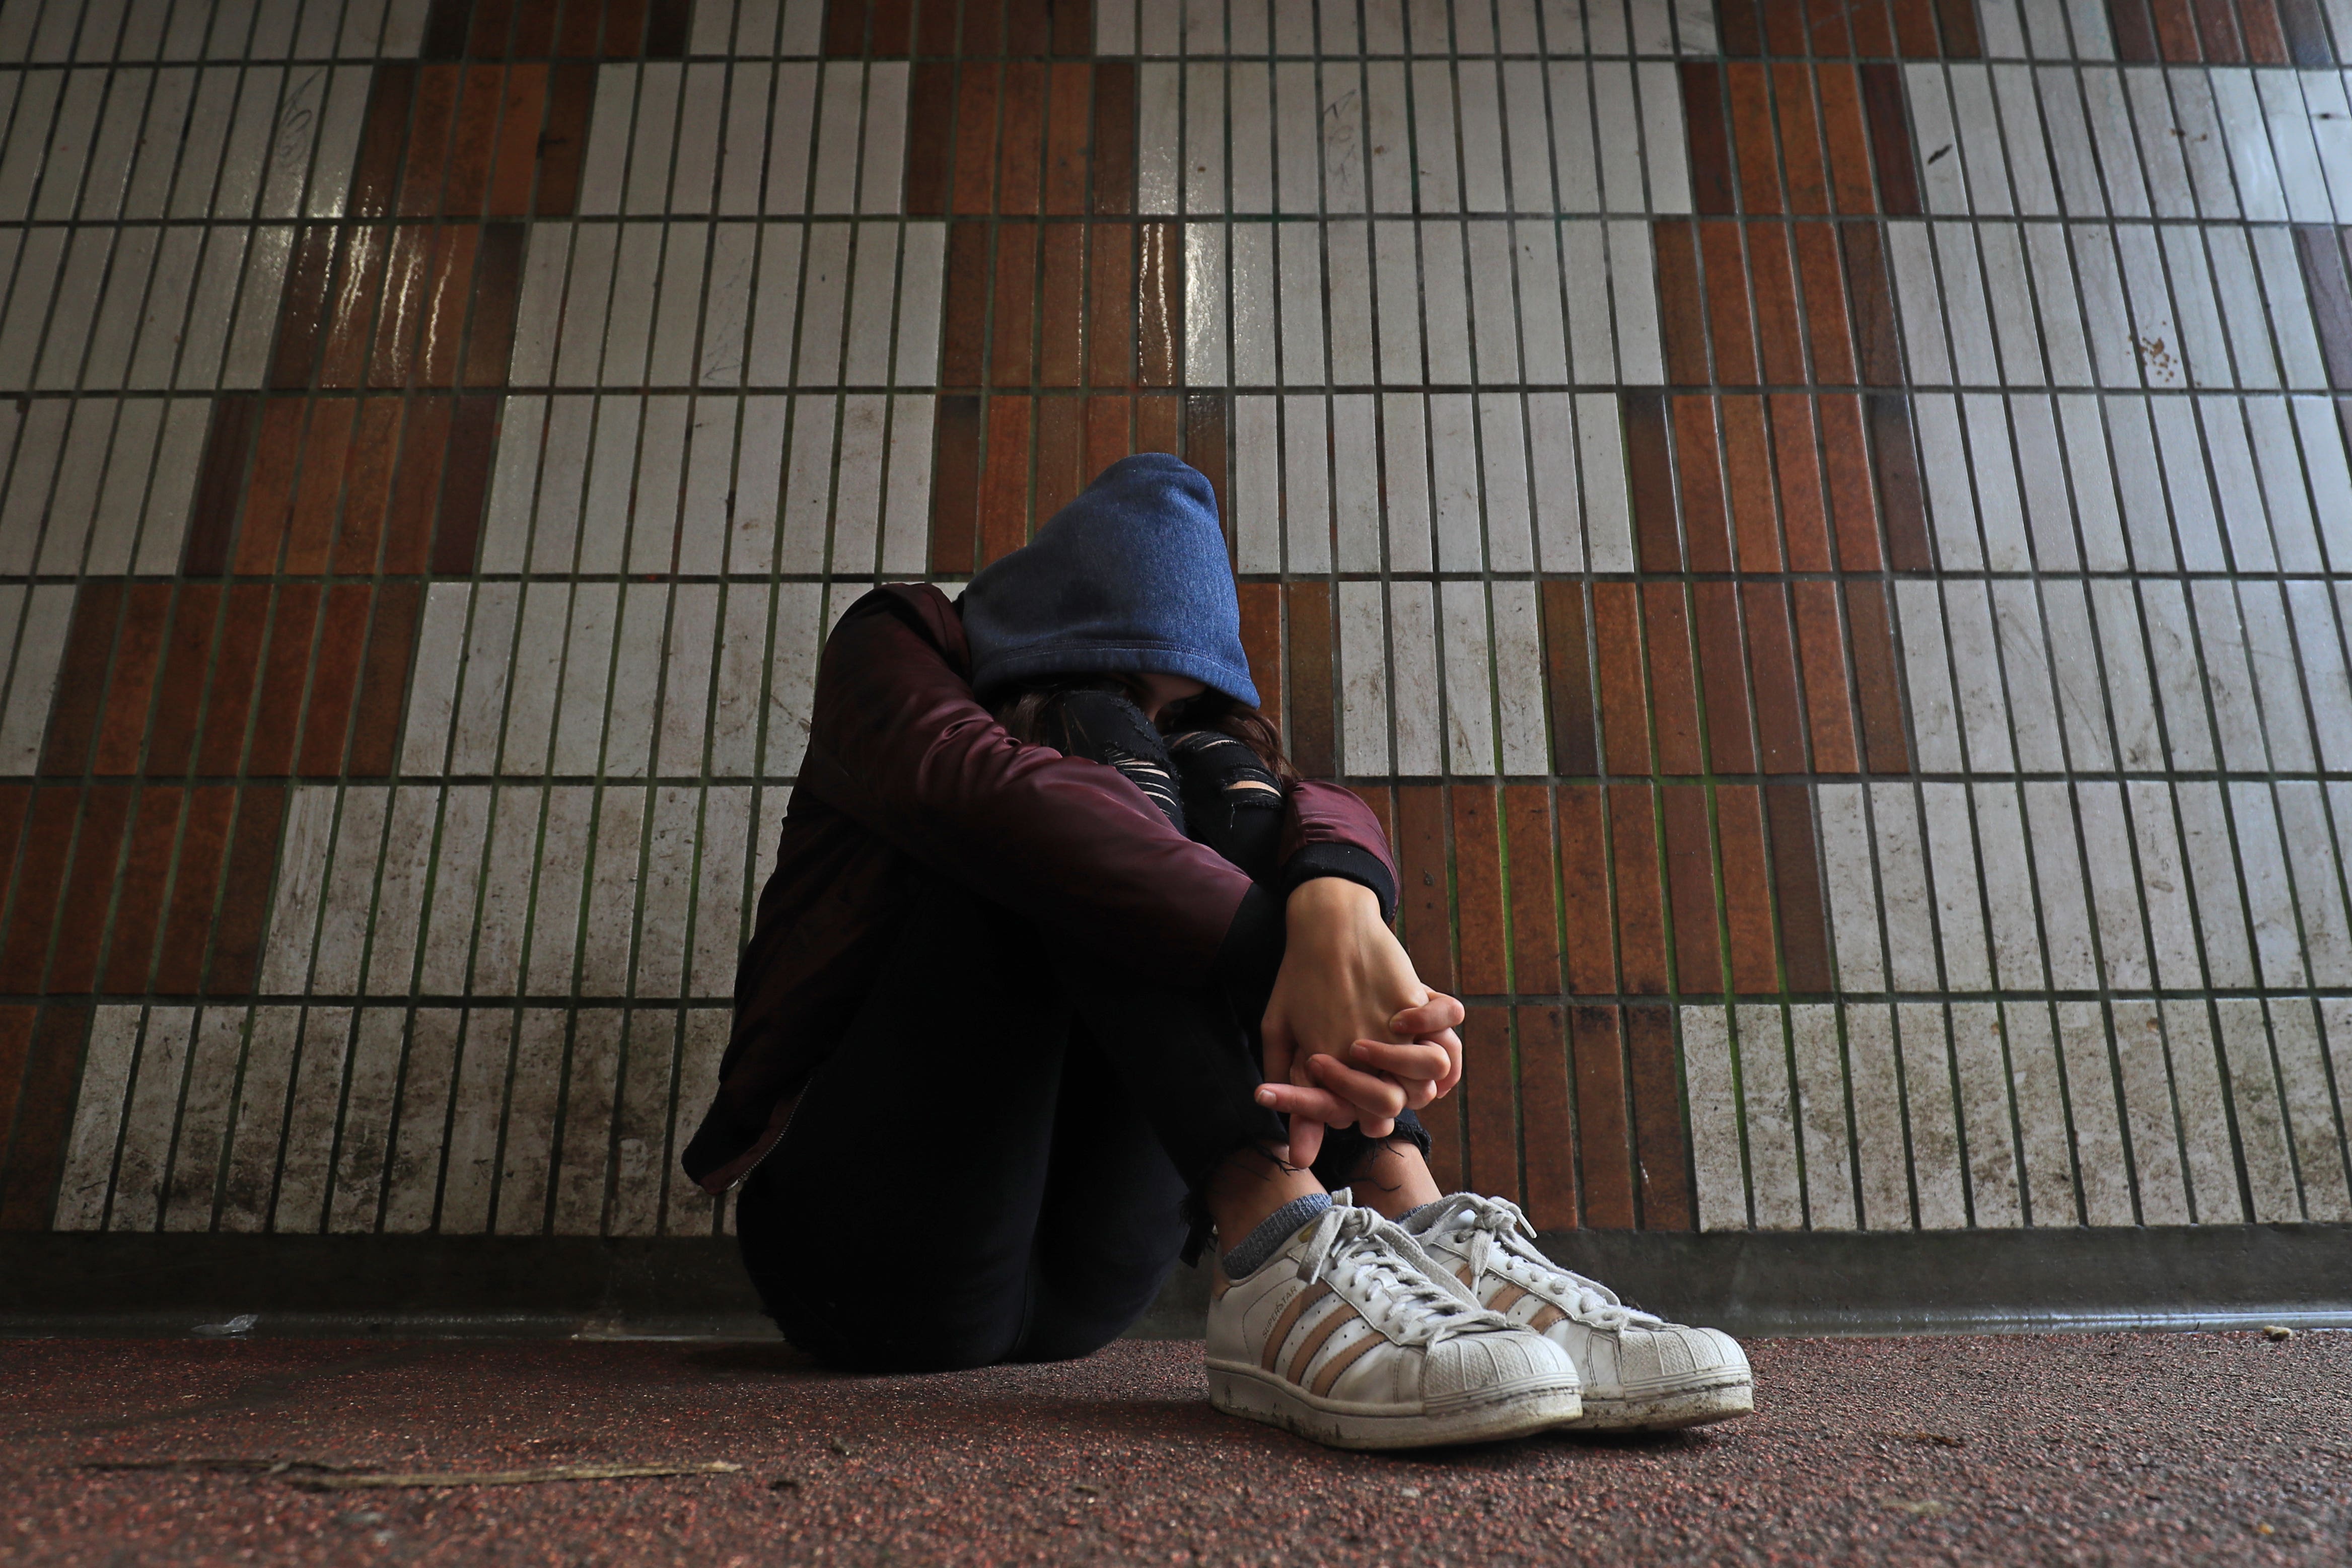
{"x":1604,"y":1138}
{"x":318,"y":486}
{"x":302,"y":307}
{"x":955,"y":485}
{"x":1797,"y":888}
{"x":1825,"y":29}
{"x":845,"y":27}
{"x":978,"y":88}
{"x":1313,"y":748}
{"x":220,"y":485}
{"x":1109,"y":432}
{"x":1821,"y":649}
{"x":1853,"y":511}
{"x":2264,"y":36}
{"x":347,"y":326}
{"x":1784,"y":30}
{"x":405,"y":261}
{"x":1004,"y":478}
{"x":473,"y":139}
{"x":1803,"y":168}
{"x":1421,"y":911}
{"x":1690,"y":881}
{"x":1029,"y":26}
{"x":1011,"y":347}
{"x":89,"y":889}
{"x":466,"y":485}
{"x":1915,"y":29}
{"x":1877,"y":685}
{"x":1548,"y":1126}
{"x":1061,"y":348}
{"x":1060,"y":453}
{"x":1958,"y":18}
{"x":964,"y":358}
{"x":1478,"y":890}
{"x":1073,"y":26}
{"x":1756,"y":159}
{"x":16,"y":1023}
{"x":416,"y":486}
{"x":1796,"y":453}
{"x":1624,"y":707}
{"x":82,"y":680}
{"x":375,"y":163}
{"x":1159,"y":425}
{"x":1661,"y":1146}
{"x":236,"y":666}
{"x":342,"y":638}
{"x":1746,"y":891}
{"x":523,"y":111}
{"x":449,"y":286}
{"x":1845,"y":131}
{"x":1681,"y":315}
{"x":1727,"y":303}
{"x":283,"y":671}
{"x":429,"y":136}
{"x":1821,"y":283}
{"x":1111,"y":304}
{"x":1020,"y":150}
{"x":1890,"y":139}
{"x":1747,"y":480}
{"x":1740,"y":27}
{"x":1779,"y":331}
{"x":498,"y":283}
{"x":1205,"y":449}
{"x":244,"y":906}
{"x":2307,"y":33}
{"x":931,"y":138}
{"x":1490,"y":1107}
{"x":196,"y":883}
{"x":936,"y":28}
{"x":893,"y":24}
{"x":383,"y":680}
{"x":44,"y":1106}
{"x":624,"y":28}
{"x":367,"y":486}
{"x":1717,"y":618}
{"x":1568,"y":667}
{"x":1870,"y":299}
{"x":146,"y":869}
{"x":1649,"y":472}
{"x":138,"y":649}
{"x":2135,"y":33}
{"x":564,"y":143}
{"x":1586,"y":928}
{"x":1772,"y":665}
{"x":1641,"y":902}
{"x":448,"y":29}
{"x":2176,"y":30}
{"x":1901,"y":497}
{"x":48,"y":835}
{"x":534,"y":31}
{"x":1712,"y":176}
{"x":2217,"y":31}
{"x":1069,"y":120}
{"x":1535,"y":925}
{"x":1114,"y":139}
{"x":665,"y":28}
{"x":172,"y":740}
{"x":1706,"y":527}
{"x":583,"y":28}
{"x":1873,"y":32}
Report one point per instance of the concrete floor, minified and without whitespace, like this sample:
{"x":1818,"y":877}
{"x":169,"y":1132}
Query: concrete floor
{"x":2110,"y":1449}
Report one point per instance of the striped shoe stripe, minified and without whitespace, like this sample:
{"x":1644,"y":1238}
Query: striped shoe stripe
{"x":1289,"y":1320}
{"x":1508,"y":1297}
{"x":1547,"y":1318}
{"x":1342,"y":1361}
{"x":1333,"y":1320}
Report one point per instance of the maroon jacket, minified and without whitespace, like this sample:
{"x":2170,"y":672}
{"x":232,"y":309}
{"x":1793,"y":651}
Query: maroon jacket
{"x":907,"y":770}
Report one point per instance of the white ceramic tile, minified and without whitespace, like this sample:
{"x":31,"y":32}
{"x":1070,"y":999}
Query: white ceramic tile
{"x":2045,"y":1154}
{"x":1903,"y":884}
{"x":1364,"y":685}
{"x":1469,"y":695}
{"x":2091,"y":1103}
{"x":87,"y":1175}
{"x":2312,"y":1121}
{"x":2066,"y":943}
{"x":528,"y":1138}
{"x":1959,"y":899}
{"x":1936,"y":1165}
{"x":2204,"y":1119}
{"x":1880,"y":1159}
{"x":249,"y":1178}
{"x":1721,"y":1187}
{"x":1983,"y":1080}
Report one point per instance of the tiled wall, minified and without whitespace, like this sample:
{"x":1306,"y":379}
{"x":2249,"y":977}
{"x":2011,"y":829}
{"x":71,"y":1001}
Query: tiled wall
{"x":1817,"y":523}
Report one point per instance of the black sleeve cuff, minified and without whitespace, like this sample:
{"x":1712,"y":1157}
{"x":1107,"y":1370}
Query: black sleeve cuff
{"x":1251,"y":955}
{"x":1346,"y":861}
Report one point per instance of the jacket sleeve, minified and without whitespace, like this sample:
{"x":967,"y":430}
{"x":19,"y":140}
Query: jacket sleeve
{"x":1328,"y":831}
{"x":898,"y":743}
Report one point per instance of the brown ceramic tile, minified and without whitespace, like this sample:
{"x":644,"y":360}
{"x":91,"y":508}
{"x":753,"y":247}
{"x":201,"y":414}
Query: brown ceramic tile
{"x":571,"y":91}
{"x":935,"y":31}
{"x":1012,"y":348}
{"x":1205,"y":447}
{"x":666,"y":24}
{"x":237,"y":667}
{"x":1739,"y":26}
{"x":1313,"y":747}
{"x":1796,"y":454}
{"x":1649,"y":472}
{"x":429,"y":136}
{"x":1712,"y":182}
{"x":1069,"y":121}
{"x":1568,"y":667}
{"x":1060,"y":453}
{"x":1109,"y":432}
{"x":1028,"y":26}
{"x":448,"y":24}
{"x":1641,"y":902}
{"x":1706,"y":527}
{"x":1877,"y":683}
{"x":1784,"y":29}
{"x":1004,"y":477}
{"x":1114,"y":139}
{"x":1074,"y":26}
{"x":1478,"y":890}
{"x":1915,"y":29}
{"x":318,"y":486}
{"x":963,"y":362}
{"x":1603,"y":1139}
{"x":285,"y":668}
{"x":1586,"y":929}
{"x":1534,"y":925}
{"x":303,"y":306}
{"x":2317,"y":248}
{"x":220,"y":485}
{"x":244,"y":906}
{"x":139,"y":906}
{"x":375,"y":165}
{"x":138,"y":649}
{"x":1061,"y":350}
{"x":625,"y":28}
{"x":978,"y":88}
{"x":81,"y":681}
{"x":40,"y":876}
{"x":1780,"y":333}
{"x":1901,"y":497}
{"x":404,"y":255}
{"x":1825,"y":29}
{"x":1797,"y":888}
{"x":1852,"y":512}
{"x":1111,"y":304}
{"x":367,"y":486}
{"x":1874,"y":30}
{"x":1716,"y":612}
{"x":1821,"y":649}
{"x":583,"y":30}
{"x":1661,"y":1145}
{"x":1548,"y":1126}
{"x":2135,"y":32}
{"x":1020,"y":150}
{"x":1681,"y":315}
{"x":1890,"y":139}
{"x":2307,"y":33}
{"x":1805,"y":170}
{"x":187,"y":656}
{"x":2217,"y":31}
{"x":342,"y":639}
{"x":35,"y":1158}
{"x":89,"y":889}
{"x":1772,"y":666}
{"x":348,"y":326}
{"x":16,"y":1023}
{"x":955,"y":485}
{"x":2264,"y":35}
{"x":2176,"y":30}
{"x":844,"y":29}
{"x":1421,"y":911}
{"x":1727,"y":303}
{"x":383,"y":680}
{"x":416,"y":486}
{"x":1844,"y":131}
{"x":1748,"y":481}
{"x":1624,"y":710}
{"x":465,"y":484}
{"x":1958,"y":18}
{"x":196,"y":883}
{"x":1159,"y":425}
{"x":474,"y":140}
{"x":1490,"y":1111}
{"x":930,"y":136}
{"x":534,"y":27}
{"x":1747,"y":891}
{"x":893,"y":25}
{"x":498,"y":283}
{"x":492,"y":28}
{"x":1690,"y":882}
{"x":449,"y":286}
{"x":1754,"y":155}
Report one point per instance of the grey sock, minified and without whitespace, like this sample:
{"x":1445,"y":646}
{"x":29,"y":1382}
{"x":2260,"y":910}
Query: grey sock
{"x":1250,"y":1254}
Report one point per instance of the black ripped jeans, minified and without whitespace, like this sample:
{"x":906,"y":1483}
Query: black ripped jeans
{"x":996,"y":1162}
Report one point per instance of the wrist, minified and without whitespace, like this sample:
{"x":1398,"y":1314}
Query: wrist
{"x":1327,"y":896}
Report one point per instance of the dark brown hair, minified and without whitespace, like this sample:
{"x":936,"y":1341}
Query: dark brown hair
{"x":1027,"y":711}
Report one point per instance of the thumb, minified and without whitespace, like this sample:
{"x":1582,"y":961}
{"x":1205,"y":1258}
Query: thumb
{"x":1305,"y":1141}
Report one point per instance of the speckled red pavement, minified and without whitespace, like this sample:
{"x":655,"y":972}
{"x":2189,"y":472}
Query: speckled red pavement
{"x":2178,"y":1448}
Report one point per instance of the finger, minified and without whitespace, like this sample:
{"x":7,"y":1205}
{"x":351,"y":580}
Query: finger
{"x":1440,"y":1012}
{"x":1376,"y":1097}
{"x":1276,"y":1046}
{"x":1422,"y":1061}
{"x":1453,"y":1044}
{"x":1305,"y":1141}
{"x":1379,"y":1129}
{"x":1418,"y":1092}
{"x":1307,"y":1105}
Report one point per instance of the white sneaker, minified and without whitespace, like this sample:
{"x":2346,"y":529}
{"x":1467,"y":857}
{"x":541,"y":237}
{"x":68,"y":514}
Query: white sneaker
{"x":1639,"y":1372}
{"x":1351,"y":1335}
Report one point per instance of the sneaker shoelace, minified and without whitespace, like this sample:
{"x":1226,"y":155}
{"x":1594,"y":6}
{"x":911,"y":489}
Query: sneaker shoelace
{"x":1358,"y":1249}
{"x":1495,"y":1235}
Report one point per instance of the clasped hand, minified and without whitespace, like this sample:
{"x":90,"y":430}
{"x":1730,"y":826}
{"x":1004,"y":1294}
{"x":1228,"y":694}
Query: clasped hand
{"x":1351,"y":1035}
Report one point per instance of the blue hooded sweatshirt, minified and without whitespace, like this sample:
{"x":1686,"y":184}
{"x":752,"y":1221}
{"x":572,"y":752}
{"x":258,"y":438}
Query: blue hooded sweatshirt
{"x":1131,"y":578}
